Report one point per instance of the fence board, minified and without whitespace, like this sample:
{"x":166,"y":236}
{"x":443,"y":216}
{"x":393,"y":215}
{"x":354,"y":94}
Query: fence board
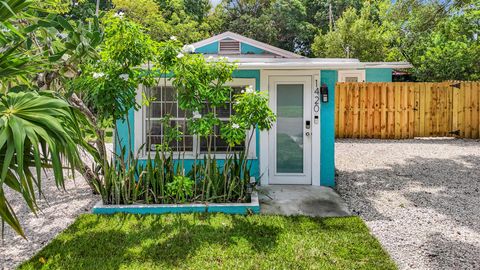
{"x":407,"y":110}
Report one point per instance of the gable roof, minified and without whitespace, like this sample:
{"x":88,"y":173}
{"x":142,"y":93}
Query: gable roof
{"x":249,"y":41}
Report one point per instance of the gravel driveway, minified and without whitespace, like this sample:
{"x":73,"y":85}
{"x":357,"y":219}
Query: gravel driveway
{"x":420,"y":198}
{"x":59,"y":210}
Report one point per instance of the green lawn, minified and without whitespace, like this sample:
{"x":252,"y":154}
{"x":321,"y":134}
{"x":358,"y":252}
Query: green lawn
{"x":214,"y":241}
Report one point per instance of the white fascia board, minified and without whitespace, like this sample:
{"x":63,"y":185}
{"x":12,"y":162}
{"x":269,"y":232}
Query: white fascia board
{"x":319,"y":65}
{"x":296,"y":65}
{"x":387,"y":65}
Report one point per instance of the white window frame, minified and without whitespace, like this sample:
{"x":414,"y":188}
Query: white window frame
{"x":140,"y":129}
{"x":359,"y":73}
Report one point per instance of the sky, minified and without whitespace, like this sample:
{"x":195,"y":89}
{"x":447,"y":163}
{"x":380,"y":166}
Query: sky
{"x":215,"y":2}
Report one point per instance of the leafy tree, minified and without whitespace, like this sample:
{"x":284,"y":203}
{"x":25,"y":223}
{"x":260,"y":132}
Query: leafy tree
{"x":164,"y":19}
{"x":198,"y":9}
{"x":245,"y":17}
{"x":280,"y":23}
{"x":439,"y":38}
{"x":318,"y":11}
{"x":357,"y":34}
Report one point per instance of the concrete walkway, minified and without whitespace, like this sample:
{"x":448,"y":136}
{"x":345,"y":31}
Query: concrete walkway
{"x":302,"y":200}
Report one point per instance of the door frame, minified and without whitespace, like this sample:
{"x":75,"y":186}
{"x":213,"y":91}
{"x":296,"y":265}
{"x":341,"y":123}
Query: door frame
{"x":264,"y":154}
{"x":304,"y":177}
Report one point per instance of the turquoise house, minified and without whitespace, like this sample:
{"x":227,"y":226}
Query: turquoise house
{"x":299,"y":149}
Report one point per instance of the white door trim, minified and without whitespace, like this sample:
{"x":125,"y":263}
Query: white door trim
{"x":264,"y":135}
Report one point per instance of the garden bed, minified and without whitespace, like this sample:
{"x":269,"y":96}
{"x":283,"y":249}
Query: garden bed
{"x":228,"y":208}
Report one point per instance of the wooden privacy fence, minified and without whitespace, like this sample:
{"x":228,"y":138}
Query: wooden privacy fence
{"x":407,"y":110}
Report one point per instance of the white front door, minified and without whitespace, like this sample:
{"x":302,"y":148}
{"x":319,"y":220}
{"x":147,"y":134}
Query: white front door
{"x":290,"y":139}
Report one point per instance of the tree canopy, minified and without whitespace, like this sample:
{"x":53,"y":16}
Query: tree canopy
{"x":439,"y":37}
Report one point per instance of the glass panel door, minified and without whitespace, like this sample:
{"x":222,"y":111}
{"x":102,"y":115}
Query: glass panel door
{"x":290,"y":142}
{"x":289,"y":131}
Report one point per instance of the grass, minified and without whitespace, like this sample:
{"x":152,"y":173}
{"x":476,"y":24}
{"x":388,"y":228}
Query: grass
{"x":213,"y":241}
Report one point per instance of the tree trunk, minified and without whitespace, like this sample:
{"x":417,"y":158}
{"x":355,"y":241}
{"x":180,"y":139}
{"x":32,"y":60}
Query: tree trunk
{"x":86,"y":171}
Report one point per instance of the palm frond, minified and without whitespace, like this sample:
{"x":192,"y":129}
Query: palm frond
{"x":36,"y":131}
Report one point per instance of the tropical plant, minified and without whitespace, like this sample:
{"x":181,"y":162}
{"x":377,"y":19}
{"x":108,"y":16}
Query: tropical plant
{"x":180,"y":189}
{"x":40,"y":131}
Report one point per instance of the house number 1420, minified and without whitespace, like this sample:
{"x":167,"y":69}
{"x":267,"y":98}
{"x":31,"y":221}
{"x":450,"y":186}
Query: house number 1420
{"x":316,"y":98}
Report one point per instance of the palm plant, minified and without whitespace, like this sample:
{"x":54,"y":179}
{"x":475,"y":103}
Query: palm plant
{"x":15,"y":62}
{"x":37,"y":131}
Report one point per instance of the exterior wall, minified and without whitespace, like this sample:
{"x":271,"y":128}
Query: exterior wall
{"x":378,"y":75}
{"x":326,"y":160}
{"x":327,"y":130}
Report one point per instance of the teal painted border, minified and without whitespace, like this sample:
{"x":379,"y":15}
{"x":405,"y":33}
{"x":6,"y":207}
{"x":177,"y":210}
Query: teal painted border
{"x":184,"y":209}
{"x":227,"y":208}
{"x":327,"y":130}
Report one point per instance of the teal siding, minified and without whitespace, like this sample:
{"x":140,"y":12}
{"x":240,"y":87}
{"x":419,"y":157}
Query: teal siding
{"x":378,"y":74}
{"x":188,"y":163}
{"x":327,"y":130}
{"x":211,"y":48}
{"x":249,"y":49}
{"x":122,"y":128}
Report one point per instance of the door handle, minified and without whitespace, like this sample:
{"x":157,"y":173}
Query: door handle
{"x":307,"y":133}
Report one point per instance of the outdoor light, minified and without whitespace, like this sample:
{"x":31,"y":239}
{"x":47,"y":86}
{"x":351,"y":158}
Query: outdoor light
{"x":324,"y":93}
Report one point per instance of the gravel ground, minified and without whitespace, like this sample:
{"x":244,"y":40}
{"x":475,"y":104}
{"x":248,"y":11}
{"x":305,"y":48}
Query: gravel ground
{"x":58,"y":210}
{"x":420,"y":198}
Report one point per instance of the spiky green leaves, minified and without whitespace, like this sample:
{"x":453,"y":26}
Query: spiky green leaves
{"x":36,"y":131}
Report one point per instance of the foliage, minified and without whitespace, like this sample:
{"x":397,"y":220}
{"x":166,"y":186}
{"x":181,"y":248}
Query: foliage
{"x":355,"y":35}
{"x":200,"y":86}
{"x":184,"y":19}
{"x":261,"y":20}
{"x":162,"y":180}
{"x":180,"y":188}
{"x":376,"y":30}
{"x":110,"y":84}
{"x":15,"y":62}
{"x":440,"y":40}
{"x":290,"y":25}
{"x":318,"y":12}
{"x":213,"y":241}
{"x":40,"y":131}
{"x":252,"y":110}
